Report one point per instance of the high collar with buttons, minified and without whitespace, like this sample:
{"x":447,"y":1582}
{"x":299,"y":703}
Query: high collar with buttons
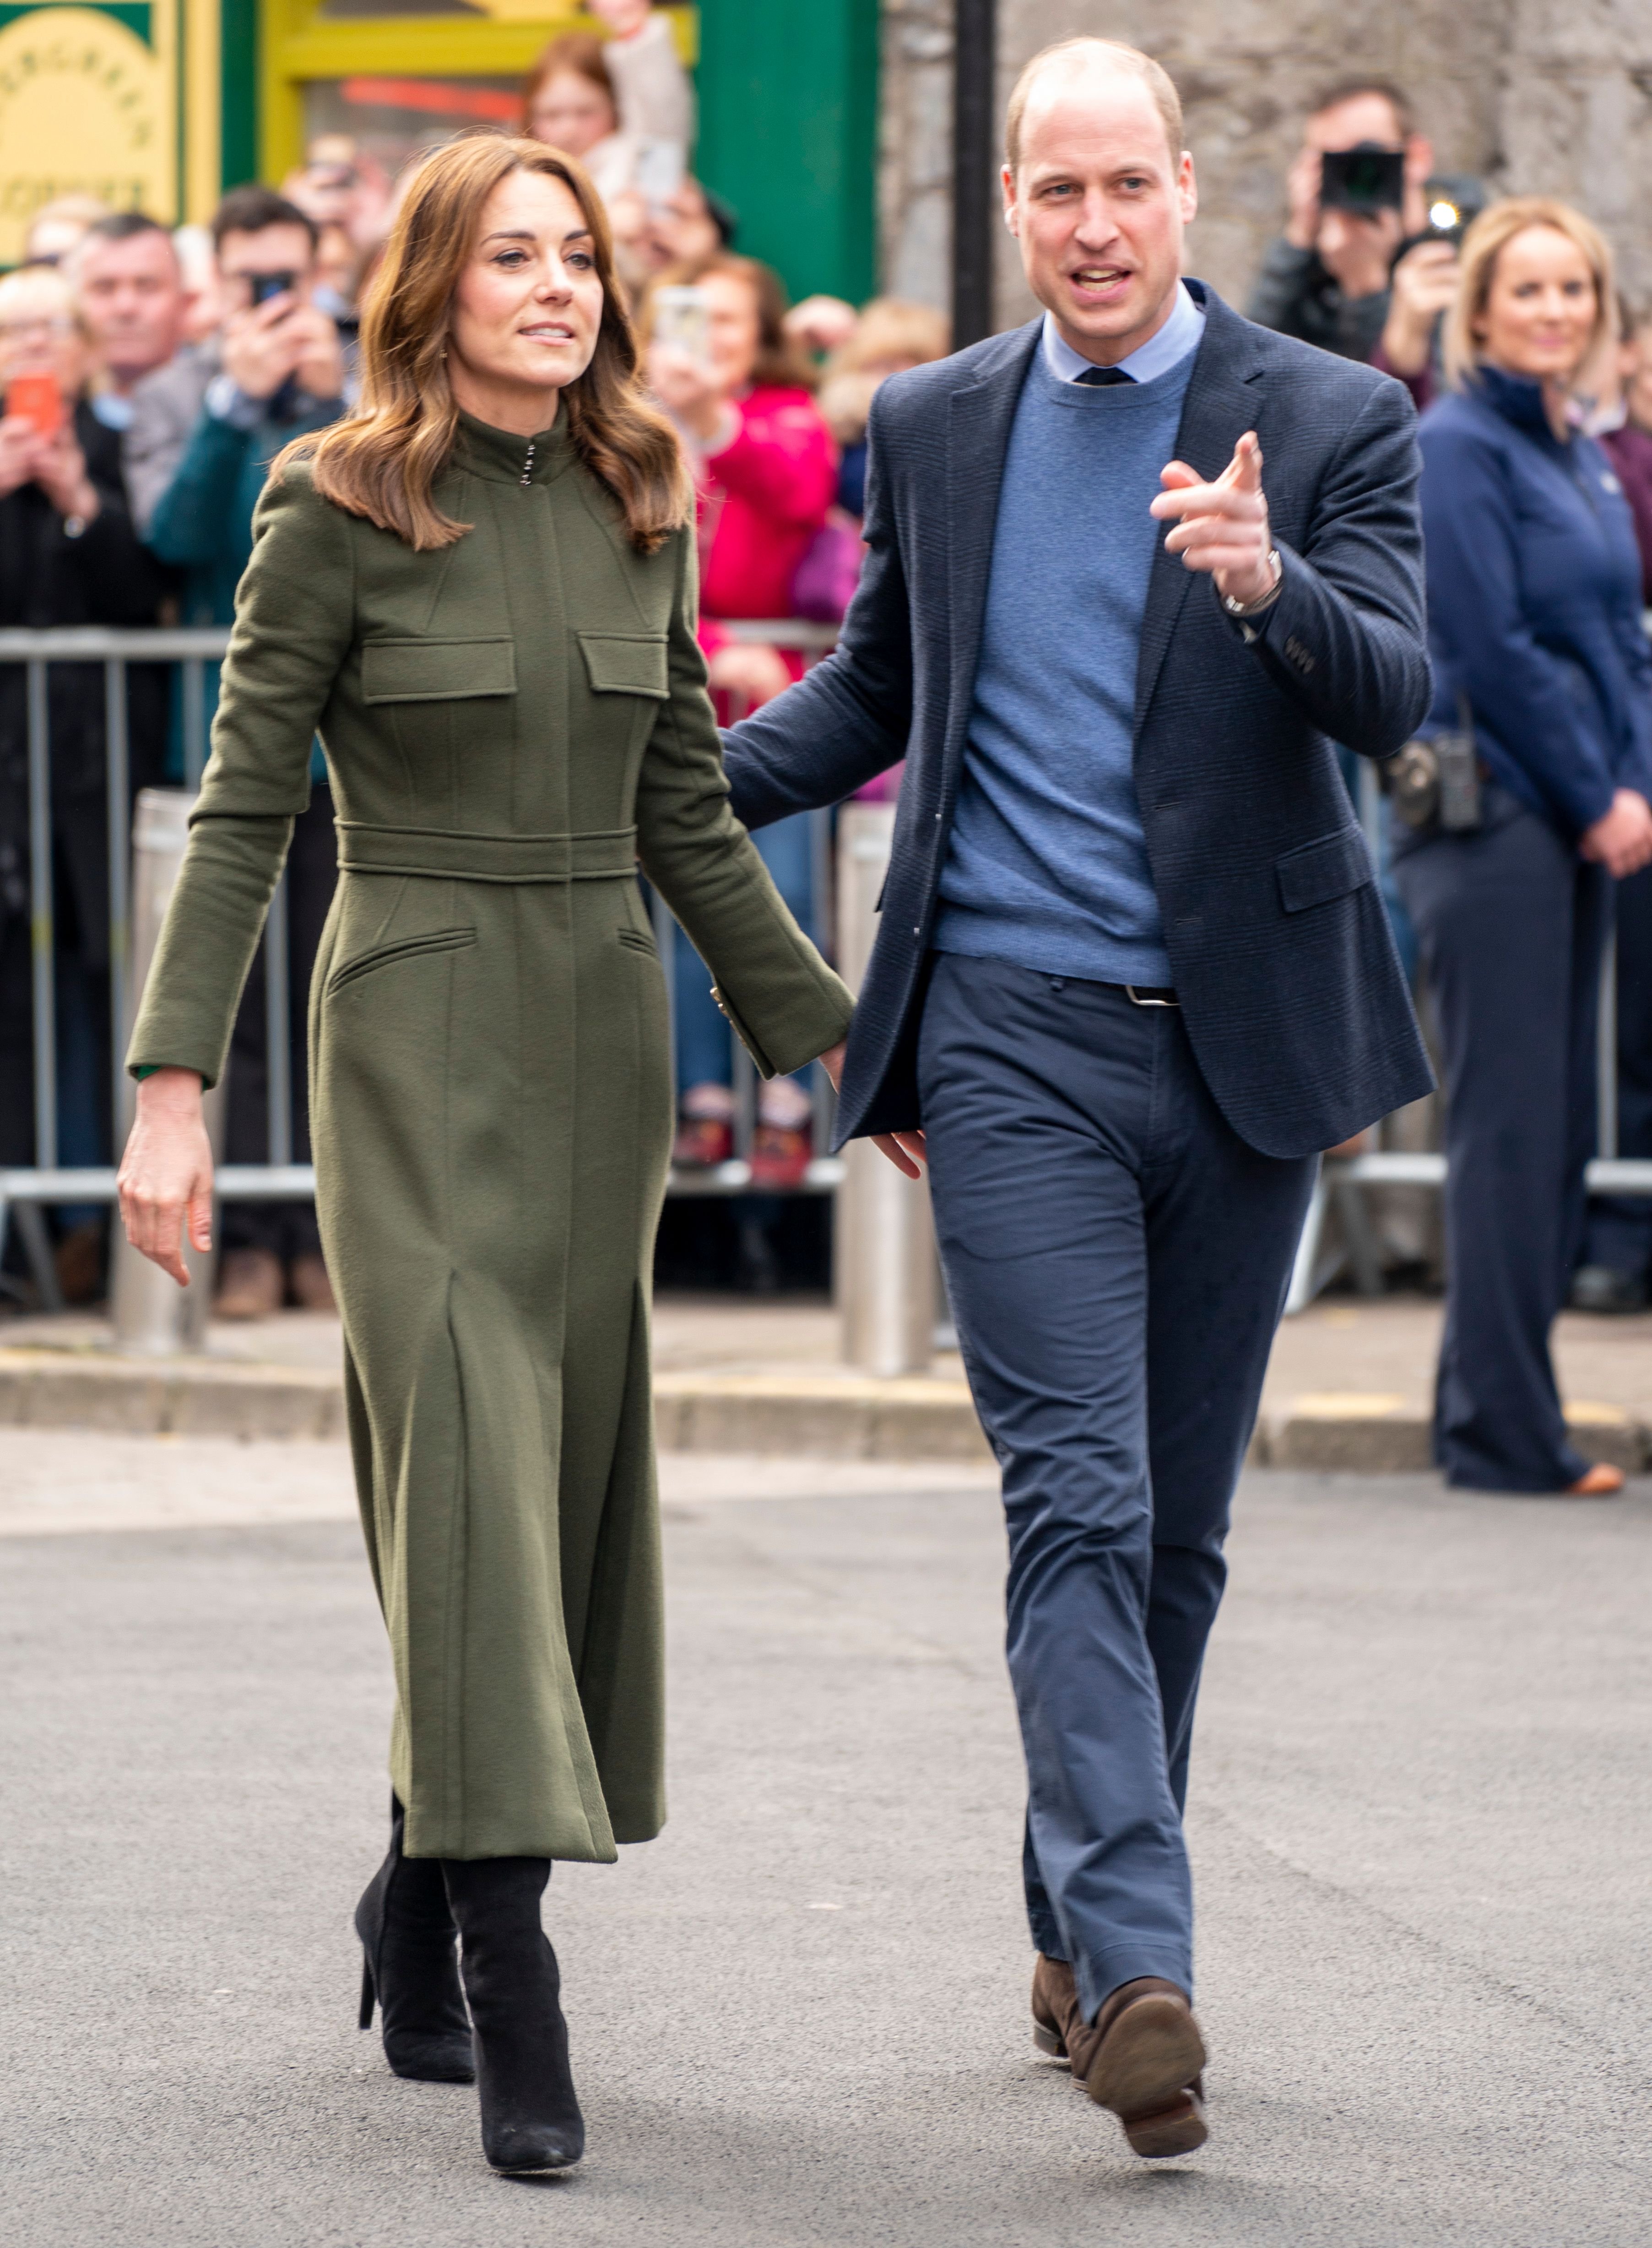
{"x":504,"y":457}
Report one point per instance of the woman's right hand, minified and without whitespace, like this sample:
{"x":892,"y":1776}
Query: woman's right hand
{"x":1621,"y":840}
{"x":166,"y":1174}
{"x":1425,"y":285}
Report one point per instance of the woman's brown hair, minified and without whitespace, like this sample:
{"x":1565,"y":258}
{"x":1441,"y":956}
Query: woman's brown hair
{"x":579,"y":53}
{"x":780,"y":365}
{"x":383,"y":458}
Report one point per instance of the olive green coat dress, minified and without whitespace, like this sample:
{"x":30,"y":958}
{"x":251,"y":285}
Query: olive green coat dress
{"x":511,"y":725}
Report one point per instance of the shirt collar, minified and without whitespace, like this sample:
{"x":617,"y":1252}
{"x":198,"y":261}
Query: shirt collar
{"x":1179,"y":335}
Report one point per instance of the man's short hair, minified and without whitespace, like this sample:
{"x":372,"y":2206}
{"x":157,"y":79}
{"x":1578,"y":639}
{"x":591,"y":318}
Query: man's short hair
{"x":122,"y":226}
{"x":1129,"y":60}
{"x":250,"y":210}
{"x":1360,"y":89}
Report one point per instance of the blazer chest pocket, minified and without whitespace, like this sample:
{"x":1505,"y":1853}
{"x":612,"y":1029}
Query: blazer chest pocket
{"x":625,"y":663}
{"x":436,"y":670}
{"x":1315,"y":873}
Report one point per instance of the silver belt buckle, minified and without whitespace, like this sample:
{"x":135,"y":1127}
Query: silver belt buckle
{"x":1137,"y":1000}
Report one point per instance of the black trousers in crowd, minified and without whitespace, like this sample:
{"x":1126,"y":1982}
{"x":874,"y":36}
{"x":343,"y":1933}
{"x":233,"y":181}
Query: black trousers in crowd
{"x":1513,"y":924}
{"x":287,"y":1229}
{"x":1619,"y":1234}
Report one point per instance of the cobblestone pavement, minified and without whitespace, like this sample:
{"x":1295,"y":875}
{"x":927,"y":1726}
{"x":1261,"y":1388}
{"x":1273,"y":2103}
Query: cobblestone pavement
{"x":1423,"y":1812}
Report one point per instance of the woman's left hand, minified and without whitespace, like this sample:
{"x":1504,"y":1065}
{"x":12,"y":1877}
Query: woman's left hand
{"x":905,"y":1150}
{"x":751,"y":670}
{"x":1621,"y":840}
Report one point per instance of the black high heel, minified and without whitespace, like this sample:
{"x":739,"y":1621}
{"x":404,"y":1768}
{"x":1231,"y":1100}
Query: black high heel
{"x":531,"y":2119}
{"x":409,"y":1970}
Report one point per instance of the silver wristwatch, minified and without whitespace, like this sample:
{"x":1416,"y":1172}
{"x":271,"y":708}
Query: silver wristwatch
{"x":1255,"y":608}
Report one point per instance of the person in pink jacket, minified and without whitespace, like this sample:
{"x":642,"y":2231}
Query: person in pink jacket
{"x":766,"y":471}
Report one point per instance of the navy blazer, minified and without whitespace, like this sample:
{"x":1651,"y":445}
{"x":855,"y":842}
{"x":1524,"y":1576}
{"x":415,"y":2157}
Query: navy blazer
{"x":1284,"y":963}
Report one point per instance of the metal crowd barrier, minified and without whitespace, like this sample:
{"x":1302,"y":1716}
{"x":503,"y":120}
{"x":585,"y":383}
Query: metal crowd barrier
{"x":25,"y":1191}
{"x":1343,"y":1179}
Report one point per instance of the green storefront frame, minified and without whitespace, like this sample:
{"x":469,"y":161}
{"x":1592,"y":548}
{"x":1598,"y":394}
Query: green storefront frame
{"x":788,"y":95}
{"x":789,"y":134}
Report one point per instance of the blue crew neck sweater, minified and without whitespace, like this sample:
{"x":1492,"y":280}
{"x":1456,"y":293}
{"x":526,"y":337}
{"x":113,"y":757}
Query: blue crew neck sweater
{"x":1047,"y":868}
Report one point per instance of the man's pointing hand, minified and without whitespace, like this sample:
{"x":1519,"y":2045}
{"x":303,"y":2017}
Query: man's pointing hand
{"x":1222,"y":527}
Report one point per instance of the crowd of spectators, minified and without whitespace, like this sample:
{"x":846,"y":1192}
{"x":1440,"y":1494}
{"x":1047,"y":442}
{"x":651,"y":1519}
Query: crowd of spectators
{"x":182,"y":362}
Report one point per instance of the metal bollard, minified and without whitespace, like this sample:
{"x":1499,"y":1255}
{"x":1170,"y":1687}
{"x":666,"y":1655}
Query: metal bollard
{"x":152,"y":1316}
{"x":884,"y":1238}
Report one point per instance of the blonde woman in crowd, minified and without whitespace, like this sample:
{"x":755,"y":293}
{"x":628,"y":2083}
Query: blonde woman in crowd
{"x":1541,"y":734}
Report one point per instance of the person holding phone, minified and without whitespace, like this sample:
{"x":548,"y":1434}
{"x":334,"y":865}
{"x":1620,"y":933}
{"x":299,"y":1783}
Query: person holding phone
{"x":68,"y":556}
{"x":1543,"y":698}
{"x":742,"y":395}
{"x":481,"y":587}
{"x":204,"y":432}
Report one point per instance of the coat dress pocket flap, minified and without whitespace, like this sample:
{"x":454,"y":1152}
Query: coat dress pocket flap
{"x":436,"y":670}
{"x":625,"y":663}
{"x":1315,"y":873}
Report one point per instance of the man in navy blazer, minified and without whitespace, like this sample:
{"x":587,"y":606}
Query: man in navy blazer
{"x":1133,"y":972}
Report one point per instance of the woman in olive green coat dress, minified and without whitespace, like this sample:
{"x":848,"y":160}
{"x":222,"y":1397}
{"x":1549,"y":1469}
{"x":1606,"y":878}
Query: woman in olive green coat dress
{"x":503,"y":672}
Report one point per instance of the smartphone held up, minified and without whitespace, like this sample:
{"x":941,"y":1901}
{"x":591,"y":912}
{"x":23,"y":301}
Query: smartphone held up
{"x":682,"y":322}
{"x":38,"y":399}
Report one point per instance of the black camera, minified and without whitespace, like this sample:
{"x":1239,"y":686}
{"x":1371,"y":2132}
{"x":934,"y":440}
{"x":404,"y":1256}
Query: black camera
{"x":1364,"y":180}
{"x":265,"y":286}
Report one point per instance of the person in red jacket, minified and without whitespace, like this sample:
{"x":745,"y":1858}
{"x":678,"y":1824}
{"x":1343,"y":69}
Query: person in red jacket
{"x":766,"y":471}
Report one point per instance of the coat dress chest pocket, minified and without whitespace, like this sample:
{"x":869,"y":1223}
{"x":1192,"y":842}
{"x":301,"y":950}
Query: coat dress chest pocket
{"x":436,"y":670}
{"x":625,"y":663}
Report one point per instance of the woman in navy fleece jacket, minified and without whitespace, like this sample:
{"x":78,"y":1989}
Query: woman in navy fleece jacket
{"x":1534,"y":629}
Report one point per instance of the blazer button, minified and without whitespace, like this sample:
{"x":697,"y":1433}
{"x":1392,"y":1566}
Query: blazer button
{"x":917,"y":932}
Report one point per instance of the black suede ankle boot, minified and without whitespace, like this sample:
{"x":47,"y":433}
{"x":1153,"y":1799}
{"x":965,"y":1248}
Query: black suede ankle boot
{"x":531,"y":2119}
{"x":408,"y":1964}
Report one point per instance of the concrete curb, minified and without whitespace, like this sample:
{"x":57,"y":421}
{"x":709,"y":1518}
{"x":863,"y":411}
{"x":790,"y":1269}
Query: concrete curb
{"x":813,"y":1415}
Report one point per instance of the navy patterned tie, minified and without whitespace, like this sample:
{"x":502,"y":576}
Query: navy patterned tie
{"x":1095,"y":376}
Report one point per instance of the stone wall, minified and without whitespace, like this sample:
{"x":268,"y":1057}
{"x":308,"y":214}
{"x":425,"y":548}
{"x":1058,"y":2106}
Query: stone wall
{"x":1540,"y":96}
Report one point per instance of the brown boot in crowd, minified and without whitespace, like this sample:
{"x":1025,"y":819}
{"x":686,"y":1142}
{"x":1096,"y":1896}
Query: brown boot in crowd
{"x":308,"y":1285}
{"x":78,"y":1259}
{"x":251,"y":1284}
{"x":1142,"y":2058}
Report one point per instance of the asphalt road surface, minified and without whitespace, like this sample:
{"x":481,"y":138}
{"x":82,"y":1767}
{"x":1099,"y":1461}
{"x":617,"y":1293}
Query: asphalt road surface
{"x":1421,"y":1827}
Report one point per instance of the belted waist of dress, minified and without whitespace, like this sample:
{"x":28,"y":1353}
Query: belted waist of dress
{"x":466,"y":856}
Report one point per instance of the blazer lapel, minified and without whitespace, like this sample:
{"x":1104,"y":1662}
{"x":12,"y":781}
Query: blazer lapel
{"x":979,"y":419}
{"x":1219,"y":408}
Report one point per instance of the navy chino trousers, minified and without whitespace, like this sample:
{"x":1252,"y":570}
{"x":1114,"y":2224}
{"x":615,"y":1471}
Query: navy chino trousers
{"x":1117,"y":1259}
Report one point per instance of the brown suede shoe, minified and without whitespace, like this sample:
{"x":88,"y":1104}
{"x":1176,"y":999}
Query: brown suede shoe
{"x":308,"y":1285}
{"x":1143,"y":2057}
{"x":251,"y":1284}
